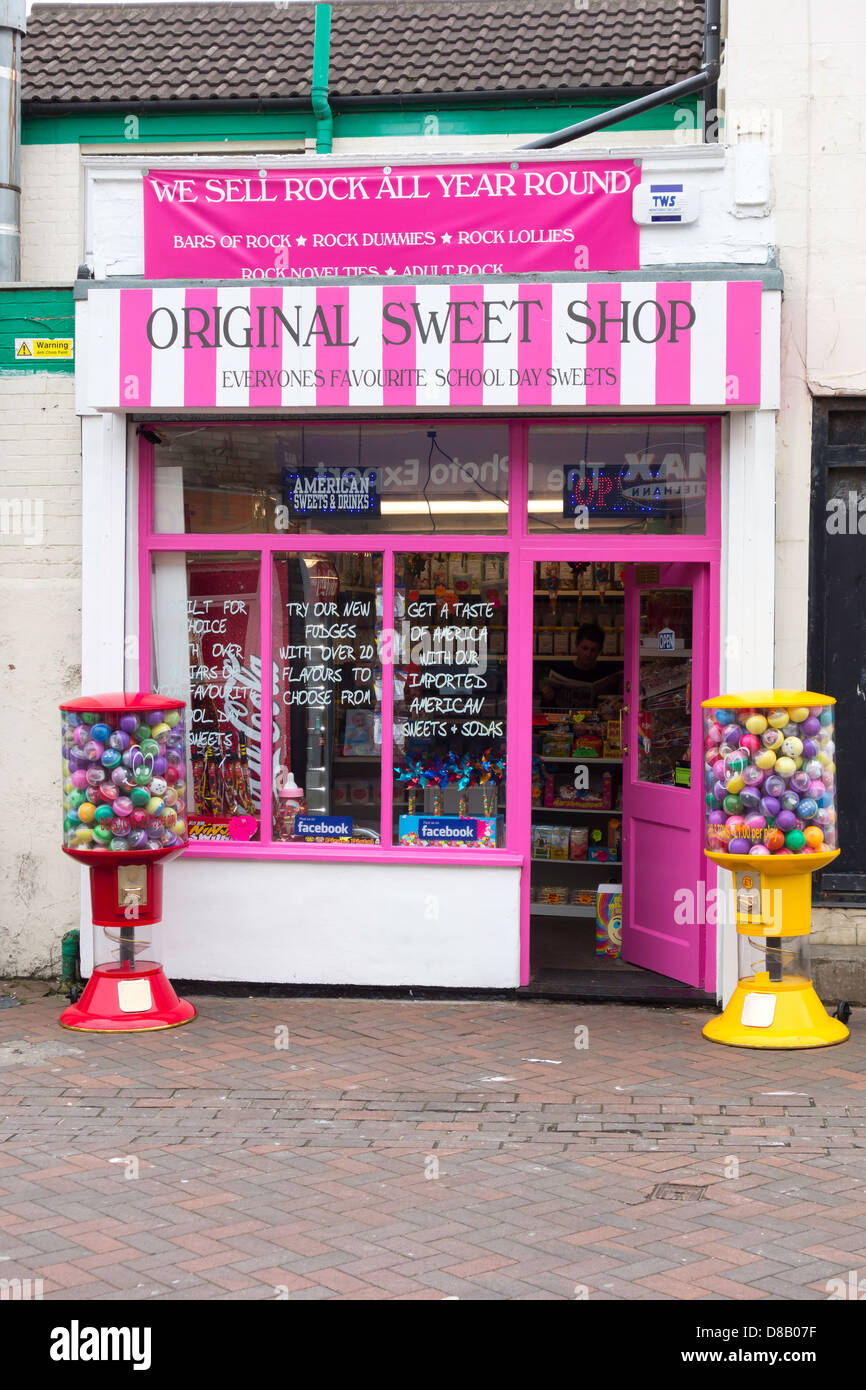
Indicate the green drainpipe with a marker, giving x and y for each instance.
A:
(69, 956)
(319, 92)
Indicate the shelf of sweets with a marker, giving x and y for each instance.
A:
(461, 594)
(590, 761)
(579, 593)
(561, 910)
(575, 811)
(600, 864)
(602, 660)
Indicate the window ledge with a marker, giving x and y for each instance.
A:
(489, 858)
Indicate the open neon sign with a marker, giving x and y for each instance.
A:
(613, 490)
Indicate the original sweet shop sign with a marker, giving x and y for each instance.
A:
(566, 343)
(461, 219)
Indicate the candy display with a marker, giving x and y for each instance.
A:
(462, 832)
(770, 779)
(124, 780)
(464, 770)
(608, 920)
(222, 784)
(561, 793)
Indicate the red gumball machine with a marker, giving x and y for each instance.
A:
(124, 814)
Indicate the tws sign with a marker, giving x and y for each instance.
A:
(569, 343)
(461, 219)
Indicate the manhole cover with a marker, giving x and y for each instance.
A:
(678, 1192)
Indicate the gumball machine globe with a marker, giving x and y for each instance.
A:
(124, 815)
(770, 778)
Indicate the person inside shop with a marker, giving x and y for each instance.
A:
(583, 678)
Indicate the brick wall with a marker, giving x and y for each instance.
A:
(51, 212)
(40, 648)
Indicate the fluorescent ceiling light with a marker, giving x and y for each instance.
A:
(455, 508)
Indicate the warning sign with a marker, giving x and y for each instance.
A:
(42, 348)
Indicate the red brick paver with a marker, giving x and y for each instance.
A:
(417, 1150)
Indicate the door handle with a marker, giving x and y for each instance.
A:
(623, 710)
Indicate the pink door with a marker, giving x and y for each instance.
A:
(666, 665)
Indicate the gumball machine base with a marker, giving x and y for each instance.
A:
(781, 1017)
(120, 998)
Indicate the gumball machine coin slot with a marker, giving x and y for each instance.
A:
(124, 815)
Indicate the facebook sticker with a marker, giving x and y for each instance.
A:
(456, 828)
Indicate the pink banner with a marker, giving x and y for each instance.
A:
(416, 219)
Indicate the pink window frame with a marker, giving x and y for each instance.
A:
(521, 547)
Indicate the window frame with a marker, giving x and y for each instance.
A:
(516, 542)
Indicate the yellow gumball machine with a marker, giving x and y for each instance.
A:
(770, 781)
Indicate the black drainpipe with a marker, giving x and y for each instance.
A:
(703, 81)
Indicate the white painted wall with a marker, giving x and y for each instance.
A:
(731, 228)
(795, 71)
(51, 213)
(795, 81)
(443, 146)
(40, 653)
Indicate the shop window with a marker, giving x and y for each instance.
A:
(322, 479)
(629, 478)
(327, 611)
(451, 621)
(206, 651)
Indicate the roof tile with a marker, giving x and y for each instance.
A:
(264, 51)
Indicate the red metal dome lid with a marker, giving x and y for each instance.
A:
(122, 700)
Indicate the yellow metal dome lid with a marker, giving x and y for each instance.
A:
(768, 699)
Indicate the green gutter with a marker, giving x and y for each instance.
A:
(319, 91)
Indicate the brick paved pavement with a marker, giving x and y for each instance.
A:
(421, 1150)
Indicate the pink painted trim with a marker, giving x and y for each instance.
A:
(258, 540)
(200, 368)
(399, 357)
(466, 356)
(522, 550)
(387, 660)
(145, 522)
(333, 358)
(491, 858)
(607, 353)
(266, 694)
(265, 358)
(711, 666)
(134, 367)
(534, 354)
(522, 771)
(743, 360)
(673, 359)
